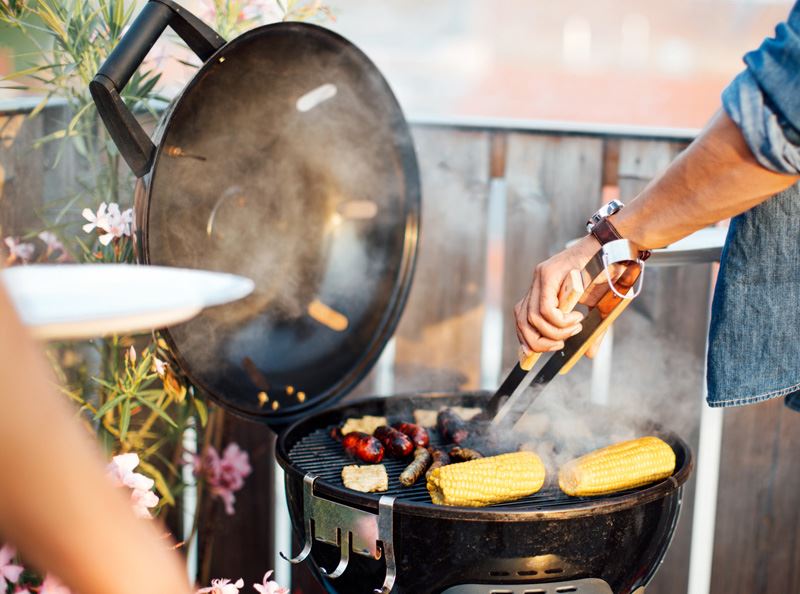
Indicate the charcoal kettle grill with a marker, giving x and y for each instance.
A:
(287, 159)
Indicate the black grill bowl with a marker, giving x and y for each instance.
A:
(541, 539)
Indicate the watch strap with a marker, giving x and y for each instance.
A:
(605, 231)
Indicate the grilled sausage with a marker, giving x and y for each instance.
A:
(422, 459)
(397, 444)
(464, 454)
(416, 433)
(451, 427)
(363, 446)
(439, 457)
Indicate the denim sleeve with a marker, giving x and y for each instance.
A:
(764, 100)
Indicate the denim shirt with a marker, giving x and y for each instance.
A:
(754, 338)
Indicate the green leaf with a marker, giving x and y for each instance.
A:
(161, 484)
(158, 410)
(125, 421)
(109, 405)
(202, 411)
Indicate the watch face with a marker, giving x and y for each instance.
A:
(606, 210)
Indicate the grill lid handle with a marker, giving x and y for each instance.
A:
(128, 135)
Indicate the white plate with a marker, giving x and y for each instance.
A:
(77, 301)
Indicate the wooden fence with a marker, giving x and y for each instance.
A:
(498, 198)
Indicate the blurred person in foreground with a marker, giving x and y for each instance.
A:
(56, 504)
(744, 164)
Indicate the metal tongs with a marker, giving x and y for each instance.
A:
(513, 398)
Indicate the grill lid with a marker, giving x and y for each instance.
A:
(287, 160)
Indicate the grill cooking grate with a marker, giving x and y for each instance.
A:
(320, 454)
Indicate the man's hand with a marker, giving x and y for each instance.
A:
(541, 326)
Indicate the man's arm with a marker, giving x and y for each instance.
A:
(715, 178)
(56, 505)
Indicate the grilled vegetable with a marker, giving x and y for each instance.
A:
(618, 467)
(417, 434)
(397, 444)
(366, 479)
(413, 471)
(451, 427)
(366, 424)
(460, 454)
(439, 457)
(494, 479)
(362, 446)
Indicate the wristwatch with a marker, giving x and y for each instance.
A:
(604, 230)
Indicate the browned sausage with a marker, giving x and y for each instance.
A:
(413, 471)
(464, 454)
(363, 446)
(451, 427)
(416, 433)
(440, 458)
(397, 444)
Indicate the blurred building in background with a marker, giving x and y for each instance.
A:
(641, 62)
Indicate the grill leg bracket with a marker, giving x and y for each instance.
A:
(386, 532)
(350, 529)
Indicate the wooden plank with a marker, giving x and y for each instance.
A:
(242, 543)
(553, 185)
(21, 173)
(438, 339)
(758, 519)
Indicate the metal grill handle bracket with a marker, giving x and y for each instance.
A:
(348, 528)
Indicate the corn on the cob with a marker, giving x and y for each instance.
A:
(487, 480)
(618, 467)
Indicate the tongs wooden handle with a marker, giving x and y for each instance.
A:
(568, 297)
(511, 400)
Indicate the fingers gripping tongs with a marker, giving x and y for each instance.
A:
(513, 398)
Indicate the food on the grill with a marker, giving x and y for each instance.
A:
(467, 412)
(422, 459)
(362, 446)
(327, 316)
(460, 454)
(366, 424)
(427, 417)
(451, 427)
(494, 479)
(439, 457)
(397, 444)
(367, 479)
(618, 467)
(416, 433)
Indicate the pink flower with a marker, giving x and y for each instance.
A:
(269, 587)
(51, 585)
(19, 251)
(159, 366)
(9, 573)
(108, 219)
(142, 497)
(223, 586)
(224, 475)
(21, 590)
(54, 247)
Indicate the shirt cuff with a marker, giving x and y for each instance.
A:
(769, 137)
